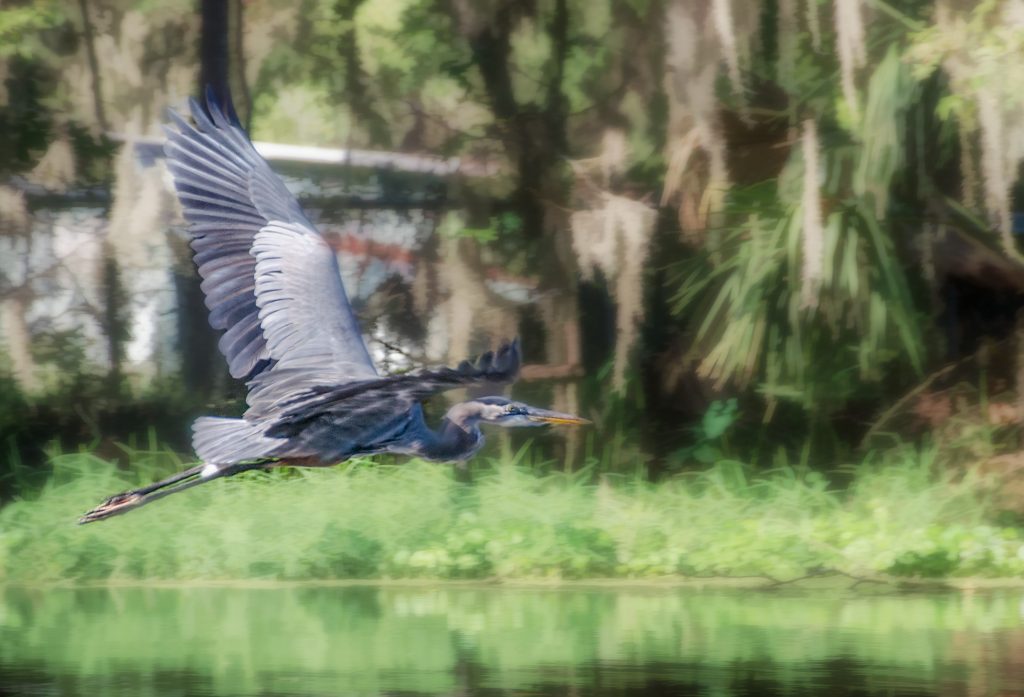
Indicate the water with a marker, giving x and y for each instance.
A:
(472, 641)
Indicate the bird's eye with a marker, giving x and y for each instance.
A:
(510, 408)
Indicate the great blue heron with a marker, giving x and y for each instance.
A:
(272, 283)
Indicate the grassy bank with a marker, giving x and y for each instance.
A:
(896, 517)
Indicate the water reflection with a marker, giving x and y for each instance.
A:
(321, 641)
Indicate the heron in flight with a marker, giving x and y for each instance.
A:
(272, 284)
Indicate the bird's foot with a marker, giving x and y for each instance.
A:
(118, 503)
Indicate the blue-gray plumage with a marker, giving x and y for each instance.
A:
(272, 284)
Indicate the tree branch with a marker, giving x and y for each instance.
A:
(94, 66)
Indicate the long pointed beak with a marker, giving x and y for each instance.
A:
(555, 417)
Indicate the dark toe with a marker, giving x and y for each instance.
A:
(119, 503)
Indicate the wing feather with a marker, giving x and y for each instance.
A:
(230, 197)
(400, 393)
(302, 303)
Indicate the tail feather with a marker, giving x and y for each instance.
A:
(226, 441)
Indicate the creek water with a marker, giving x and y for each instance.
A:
(491, 641)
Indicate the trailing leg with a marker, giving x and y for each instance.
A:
(186, 479)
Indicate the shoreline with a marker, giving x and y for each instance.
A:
(821, 582)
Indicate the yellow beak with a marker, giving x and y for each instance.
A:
(554, 417)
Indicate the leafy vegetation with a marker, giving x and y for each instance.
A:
(897, 518)
(821, 188)
(815, 165)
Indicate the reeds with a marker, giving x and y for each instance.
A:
(897, 516)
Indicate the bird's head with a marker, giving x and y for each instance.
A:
(507, 412)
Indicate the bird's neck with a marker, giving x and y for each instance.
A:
(455, 439)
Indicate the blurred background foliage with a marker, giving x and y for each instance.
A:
(766, 231)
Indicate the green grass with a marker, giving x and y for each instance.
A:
(896, 517)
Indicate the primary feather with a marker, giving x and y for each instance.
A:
(270, 280)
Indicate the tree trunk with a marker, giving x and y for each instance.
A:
(94, 66)
(18, 342)
(114, 319)
(538, 141)
(214, 57)
(356, 93)
(201, 366)
(1019, 349)
(242, 93)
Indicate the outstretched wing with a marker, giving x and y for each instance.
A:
(328, 419)
(270, 279)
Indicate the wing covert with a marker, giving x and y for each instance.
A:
(399, 393)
